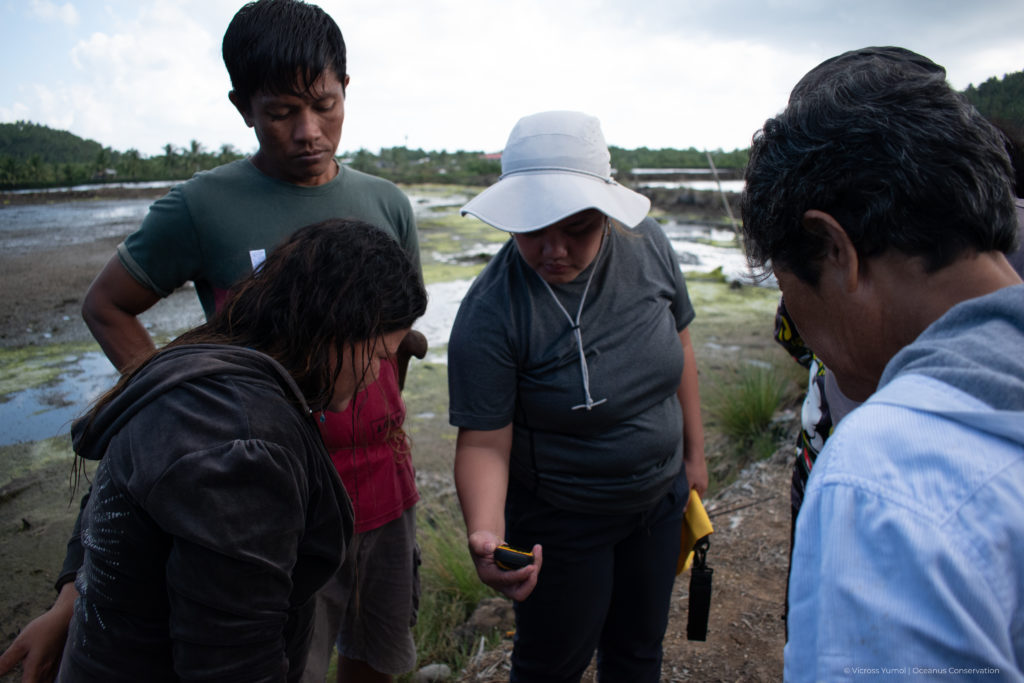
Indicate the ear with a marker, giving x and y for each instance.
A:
(344, 84)
(841, 259)
(242, 107)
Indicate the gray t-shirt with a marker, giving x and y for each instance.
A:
(513, 359)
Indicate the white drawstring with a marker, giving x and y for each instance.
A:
(575, 326)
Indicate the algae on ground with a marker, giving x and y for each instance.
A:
(426, 400)
(35, 366)
(713, 299)
(453, 247)
(447, 232)
(21, 459)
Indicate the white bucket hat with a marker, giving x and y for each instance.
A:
(555, 164)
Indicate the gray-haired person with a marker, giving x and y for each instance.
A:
(882, 201)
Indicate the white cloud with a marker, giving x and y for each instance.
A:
(457, 74)
(16, 112)
(466, 76)
(149, 82)
(49, 11)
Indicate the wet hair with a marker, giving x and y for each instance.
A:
(330, 286)
(281, 47)
(879, 140)
(325, 291)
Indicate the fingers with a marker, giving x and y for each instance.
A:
(515, 584)
(39, 646)
(697, 475)
(12, 656)
(38, 662)
(415, 344)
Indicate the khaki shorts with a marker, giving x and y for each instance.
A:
(370, 605)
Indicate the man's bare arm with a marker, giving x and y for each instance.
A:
(110, 310)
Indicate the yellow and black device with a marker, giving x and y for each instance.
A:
(510, 559)
(693, 556)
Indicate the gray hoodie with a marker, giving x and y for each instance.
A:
(214, 517)
(977, 347)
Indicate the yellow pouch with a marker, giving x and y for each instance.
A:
(696, 525)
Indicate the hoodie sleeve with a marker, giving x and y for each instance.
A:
(75, 554)
(236, 515)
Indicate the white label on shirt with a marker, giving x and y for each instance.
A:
(257, 257)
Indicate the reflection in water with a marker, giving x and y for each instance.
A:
(48, 410)
(69, 223)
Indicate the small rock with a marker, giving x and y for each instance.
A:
(432, 673)
(492, 614)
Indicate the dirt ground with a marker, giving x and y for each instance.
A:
(749, 549)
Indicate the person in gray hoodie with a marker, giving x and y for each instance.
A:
(216, 513)
(883, 204)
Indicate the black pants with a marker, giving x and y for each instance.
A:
(605, 585)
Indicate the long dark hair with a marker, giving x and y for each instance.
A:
(331, 286)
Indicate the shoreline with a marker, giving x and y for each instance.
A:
(59, 195)
(706, 203)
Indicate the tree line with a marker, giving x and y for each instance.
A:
(402, 165)
(33, 155)
(1002, 101)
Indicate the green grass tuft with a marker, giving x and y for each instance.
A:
(741, 404)
(451, 589)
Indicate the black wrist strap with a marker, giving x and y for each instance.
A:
(700, 593)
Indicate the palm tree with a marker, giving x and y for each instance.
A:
(170, 159)
(130, 162)
(227, 153)
(193, 155)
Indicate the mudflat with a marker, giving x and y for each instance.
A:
(43, 285)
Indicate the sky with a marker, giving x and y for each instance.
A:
(458, 74)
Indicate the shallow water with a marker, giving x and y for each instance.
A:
(703, 248)
(48, 409)
(47, 405)
(698, 185)
(24, 227)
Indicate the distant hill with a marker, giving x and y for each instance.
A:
(24, 139)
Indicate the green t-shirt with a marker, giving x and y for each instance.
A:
(211, 228)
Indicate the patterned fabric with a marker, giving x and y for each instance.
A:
(815, 419)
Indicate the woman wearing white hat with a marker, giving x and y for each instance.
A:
(573, 384)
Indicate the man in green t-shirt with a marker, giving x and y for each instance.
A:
(287, 62)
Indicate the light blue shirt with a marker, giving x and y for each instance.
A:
(909, 554)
